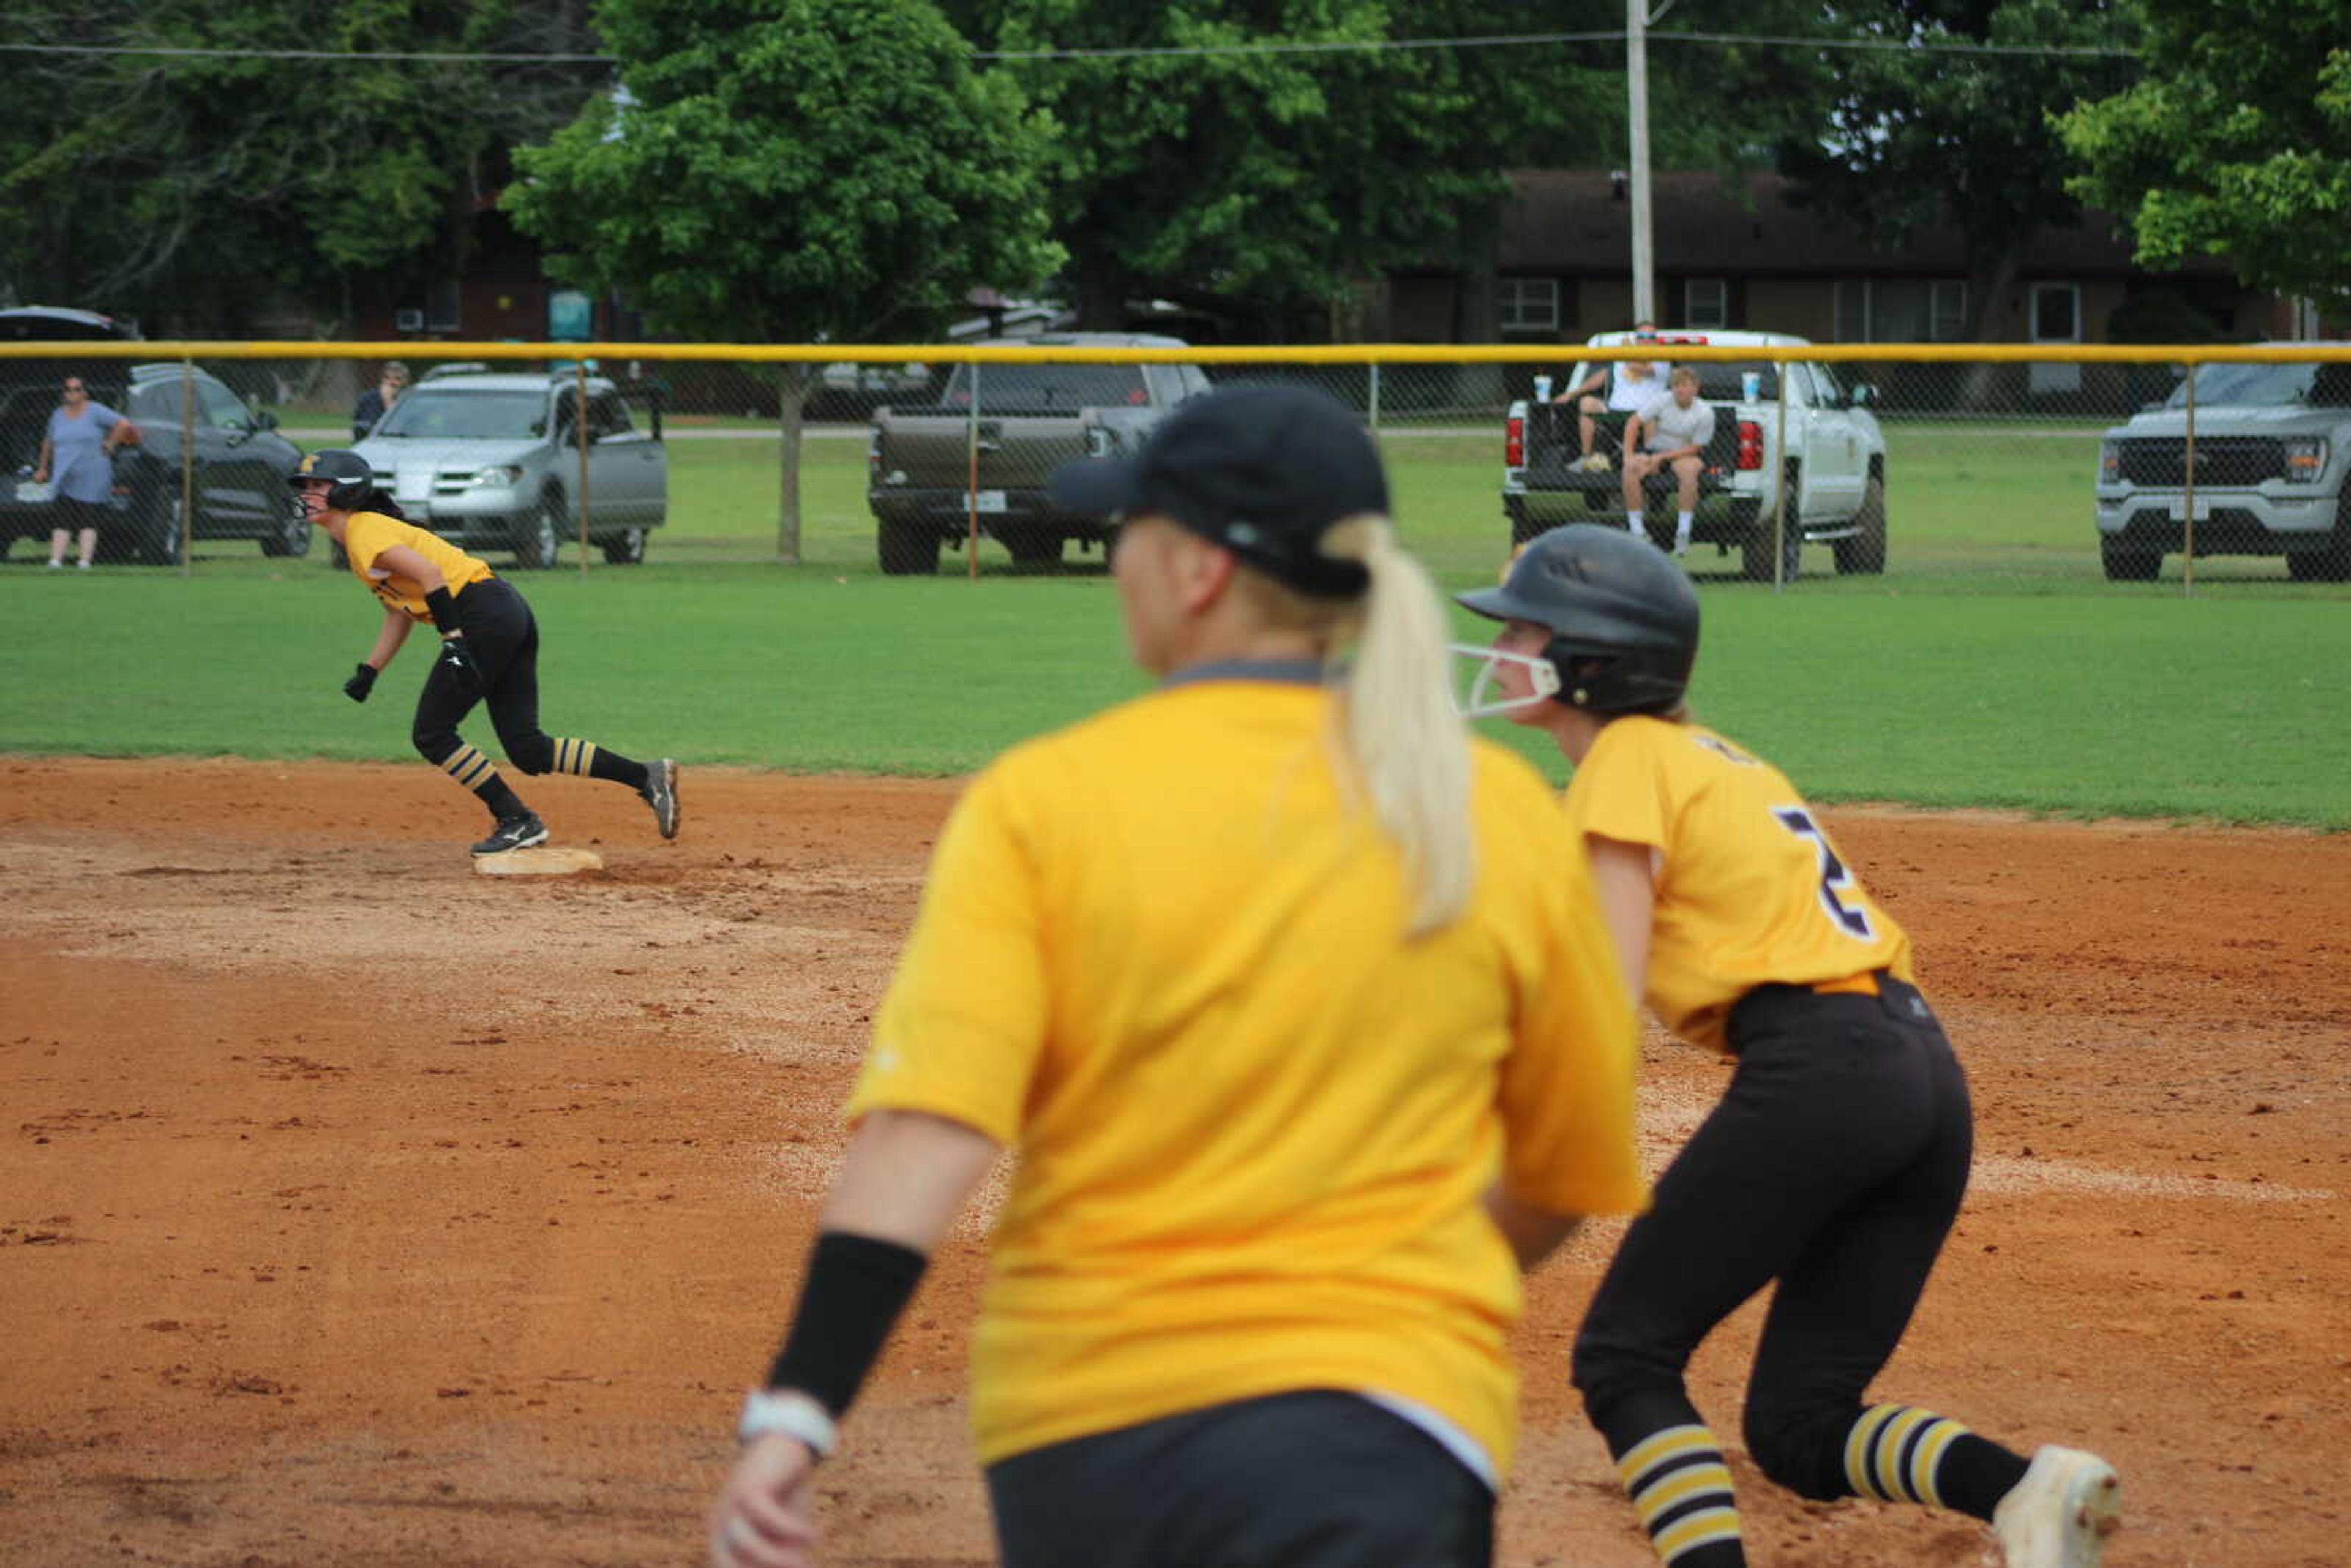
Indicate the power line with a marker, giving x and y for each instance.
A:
(1193, 51)
(190, 52)
(2038, 51)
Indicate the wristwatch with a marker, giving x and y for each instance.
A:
(790, 1413)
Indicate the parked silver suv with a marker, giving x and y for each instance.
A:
(2272, 473)
(491, 460)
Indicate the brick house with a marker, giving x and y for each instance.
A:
(1737, 254)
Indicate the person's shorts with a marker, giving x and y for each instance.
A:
(73, 516)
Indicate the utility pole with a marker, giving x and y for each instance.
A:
(1637, 86)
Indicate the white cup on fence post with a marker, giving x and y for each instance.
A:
(1750, 385)
(1543, 389)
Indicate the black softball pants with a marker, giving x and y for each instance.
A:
(1834, 1164)
(503, 637)
(1312, 1479)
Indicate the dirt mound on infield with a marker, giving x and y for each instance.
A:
(357, 1209)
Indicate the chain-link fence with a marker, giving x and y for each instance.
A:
(1804, 467)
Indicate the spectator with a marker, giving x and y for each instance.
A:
(78, 448)
(377, 399)
(1671, 432)
(1632, 385)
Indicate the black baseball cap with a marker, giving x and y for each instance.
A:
(1260, 470)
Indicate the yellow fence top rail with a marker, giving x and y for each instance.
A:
(1199, 354)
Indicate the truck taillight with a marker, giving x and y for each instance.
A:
(1514, 442)
(1750, 445)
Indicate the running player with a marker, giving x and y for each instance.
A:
(1837, 1161)
(1267, 977)
(489, 652)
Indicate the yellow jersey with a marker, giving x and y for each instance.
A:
(1161, 953)
(366, 535)
(1750, 889)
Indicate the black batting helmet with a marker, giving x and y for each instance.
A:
(1623, 617)
(350, 475)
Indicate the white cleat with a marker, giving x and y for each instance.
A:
(2060, 1514)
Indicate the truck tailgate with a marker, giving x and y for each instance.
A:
(1016, 450)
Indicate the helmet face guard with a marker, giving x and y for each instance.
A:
(1542, 674)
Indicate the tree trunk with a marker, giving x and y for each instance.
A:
(1102, 291)
(1477, 319)
(1991, 273)
(792, 381)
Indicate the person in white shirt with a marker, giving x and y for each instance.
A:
(1631, 386)
(1670, 433)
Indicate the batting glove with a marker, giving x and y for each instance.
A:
(362, 682)
(458, 659)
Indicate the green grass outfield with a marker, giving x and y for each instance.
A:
(1991, 666)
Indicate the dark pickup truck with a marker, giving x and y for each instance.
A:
(979, 458)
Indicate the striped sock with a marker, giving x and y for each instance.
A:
(1898, 1453)
(585, 759)
(575, 756)
(477, 772)
(1681, 1490)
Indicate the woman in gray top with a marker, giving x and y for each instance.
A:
(79, 449)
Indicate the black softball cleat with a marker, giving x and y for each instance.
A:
(513, 833)
(661, 793)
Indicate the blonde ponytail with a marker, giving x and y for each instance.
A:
(1408, 744)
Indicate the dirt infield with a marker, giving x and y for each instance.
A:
(357, 1209)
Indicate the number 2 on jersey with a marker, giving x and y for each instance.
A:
(1834, 879)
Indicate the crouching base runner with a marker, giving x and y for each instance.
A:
(1836, 1160)
(489, 654)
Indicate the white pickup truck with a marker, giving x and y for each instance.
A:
(2272, 473)
(1833, 468)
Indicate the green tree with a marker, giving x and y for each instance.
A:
(189, 191)
(1911, 138)
(2236, 142)
(792, 170)
(1288, 168)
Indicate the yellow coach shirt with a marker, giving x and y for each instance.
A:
(1160, 955)
(366, 535)
(1750, 890)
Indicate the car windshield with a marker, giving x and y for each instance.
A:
(1050, 386)
(2253, 386)
(439, 414)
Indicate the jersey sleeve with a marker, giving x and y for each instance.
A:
(363, 541)
(1618, 792)
(961, 1028)
(1566, 1088)
(1706, 426)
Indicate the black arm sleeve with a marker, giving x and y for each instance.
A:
(856, 1287)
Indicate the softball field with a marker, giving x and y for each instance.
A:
(357, 1209)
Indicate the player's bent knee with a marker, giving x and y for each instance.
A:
(1803, 1452)
(1605, 1371)
(531, 754)
(436, 745)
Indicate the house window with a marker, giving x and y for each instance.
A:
(441, 301)
(1706, 302)
(1529, 304)
(1901, 309)
(2056, 313)
(1947, 308)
